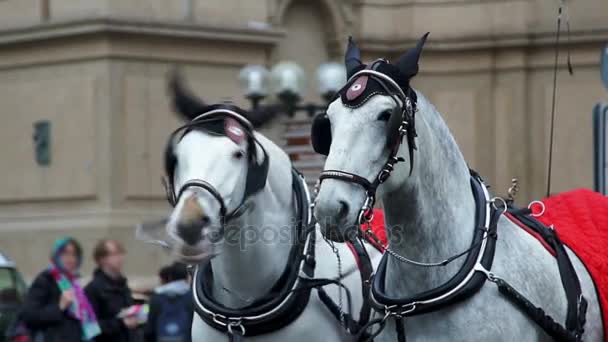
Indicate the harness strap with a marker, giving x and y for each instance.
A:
(365, 336)
(537, 314)
(235, 336)
(400, 329)
(347, 177)
(366, 271)
(577, 304)
(349, 322)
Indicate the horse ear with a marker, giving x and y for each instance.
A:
(184, 103)
(352, 58)
(408, 62)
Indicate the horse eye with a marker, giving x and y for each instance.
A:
(385, 115)
(238, 154)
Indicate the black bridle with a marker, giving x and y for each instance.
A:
(256, 173)
(405, 129)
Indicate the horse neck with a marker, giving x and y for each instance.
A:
(430, 215)
(256, 248)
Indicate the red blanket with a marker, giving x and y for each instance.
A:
(580, 218)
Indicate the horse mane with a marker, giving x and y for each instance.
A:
(439, 128)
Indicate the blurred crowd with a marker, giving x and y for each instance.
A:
(57, 308)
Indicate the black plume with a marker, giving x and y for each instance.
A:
(408, 62)
(352, 58)
(183, 101)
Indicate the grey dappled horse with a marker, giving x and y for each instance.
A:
(253, 251)
(430, 215)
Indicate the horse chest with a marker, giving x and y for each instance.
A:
(314, 324)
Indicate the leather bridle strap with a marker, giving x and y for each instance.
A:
(366, 212)
(348, 177)
(225, 216)
(406, 129)
(199, 183)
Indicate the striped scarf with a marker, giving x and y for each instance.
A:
(81, 307)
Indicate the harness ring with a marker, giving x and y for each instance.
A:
(542, 205)
(238, 324)
(502, 201)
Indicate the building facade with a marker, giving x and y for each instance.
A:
(96, 70)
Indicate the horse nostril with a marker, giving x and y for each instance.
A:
(343, 209)
(191, 234)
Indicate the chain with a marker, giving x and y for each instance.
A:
(400, 257)
(339, 261)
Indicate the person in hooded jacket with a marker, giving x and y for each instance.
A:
(56, 308)
(171, 308)
(110, 295)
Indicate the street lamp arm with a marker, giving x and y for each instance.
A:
(311, 108)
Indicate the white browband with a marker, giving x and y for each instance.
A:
(232, 113)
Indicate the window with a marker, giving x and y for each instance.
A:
(12, 287)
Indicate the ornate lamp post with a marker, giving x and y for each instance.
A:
(287, 81)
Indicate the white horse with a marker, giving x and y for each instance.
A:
(248, 254)
(431, 213)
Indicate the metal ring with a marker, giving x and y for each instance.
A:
(500, 199)
(542, 205)
(236, 324)
(363, 217)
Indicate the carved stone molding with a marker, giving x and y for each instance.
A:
(339, 13)
(66, 28)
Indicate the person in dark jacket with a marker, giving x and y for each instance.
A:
(171, 307)
(110, 295)
(56, 306)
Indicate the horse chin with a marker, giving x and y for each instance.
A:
(194, 254)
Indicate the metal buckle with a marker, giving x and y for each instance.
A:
(491, 276)
(229, 323)
(366, 214)
(217, 318)
(403, 310)
(385, 173)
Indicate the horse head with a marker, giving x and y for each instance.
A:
(213, 164)
(361, 133)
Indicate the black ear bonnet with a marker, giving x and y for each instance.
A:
(213, 121)
(378, 78)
